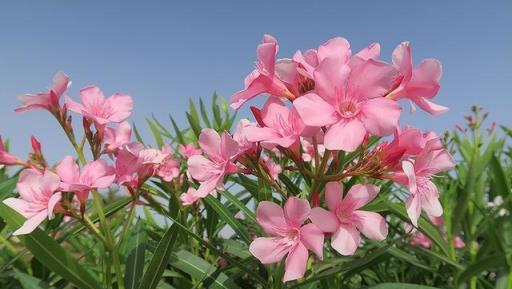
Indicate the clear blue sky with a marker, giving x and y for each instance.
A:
(163, 52)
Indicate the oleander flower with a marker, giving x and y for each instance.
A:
(46, 100)
(39, 196)
(282, 126)
(209, 170)
(348, 100)
(264, 78)
(6, 158)
(345, 219)
(189, 150)
(420, 84)
(114, 138)
(288, 236)
(417, 175)
(94, 106)
(94, 175)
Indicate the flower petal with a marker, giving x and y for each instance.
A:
(346, 240)
(270, 216)
(333, 194)
(314, 111)
(313, 238)
(380, 116)
(372, 225)
(360, 195)
(324, 220)
(31, 223)
(296, 211)
(267, 250)
(295, 264)
(345, 135)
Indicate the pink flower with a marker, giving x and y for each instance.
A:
(349, 100)
(209, 171)
(115, 138)
(273, 169)
(95, 175)
(94, 106)
(416, 175)
(241, 136)
(420, 84)
(169, 168)
(283, 126)
(264, 78)
(38, 198)
(5, 157)
(190, 197)
(46, 100)
(189, 150)
(288, 237)
(344, 218)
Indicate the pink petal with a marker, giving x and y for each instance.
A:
(372, 79)
(380, 116)
(408, 168)
(430, 202)
(295, 264)
(345, 135)
(372, 225)
(68, 170)
(91, 97)
(122, 106)
(402, 60)
(296, 211)
(73, 106)
(330, 76)
(209, 141)
(95, 170)
(52, 202)
(370, 52)
(267, 55)
(19, 205)
(31, 224)
(313, 238)
(324, 220)
(314, 111)
(104, 182)
(333, 194)
(267, 250)
(336, 47)
(228, 147)
(270, 216)
(413, 206)
(360, 195)
(201, 168)
(430, 107)
(255, 87)
(346, 240)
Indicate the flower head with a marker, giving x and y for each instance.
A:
(345, 219)
(94, 175)
(348, 99)
(46, 100)
(94, 106)
(209, 170)
(283, 126)
(420, 84)
(288, 236)
(38, 197)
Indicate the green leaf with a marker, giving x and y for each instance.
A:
(194, 124)
(30, 282)
(400, 286)
(160, 259)
(204, 114)
(50, 253)
(135, 261)
(484, 264)
(241, 206)
(137, 134)
(7, 187)
(200, 269)
(228, 217)
(216, 112)
(156, 133)
(177, 130)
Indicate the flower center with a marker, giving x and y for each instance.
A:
(348, 108)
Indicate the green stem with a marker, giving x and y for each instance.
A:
(109, 238)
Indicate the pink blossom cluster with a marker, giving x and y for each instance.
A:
(323, 106)
(117, 159)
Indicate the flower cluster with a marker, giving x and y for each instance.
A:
(117, 159)
(326, 111)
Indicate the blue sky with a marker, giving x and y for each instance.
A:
(163, 52)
